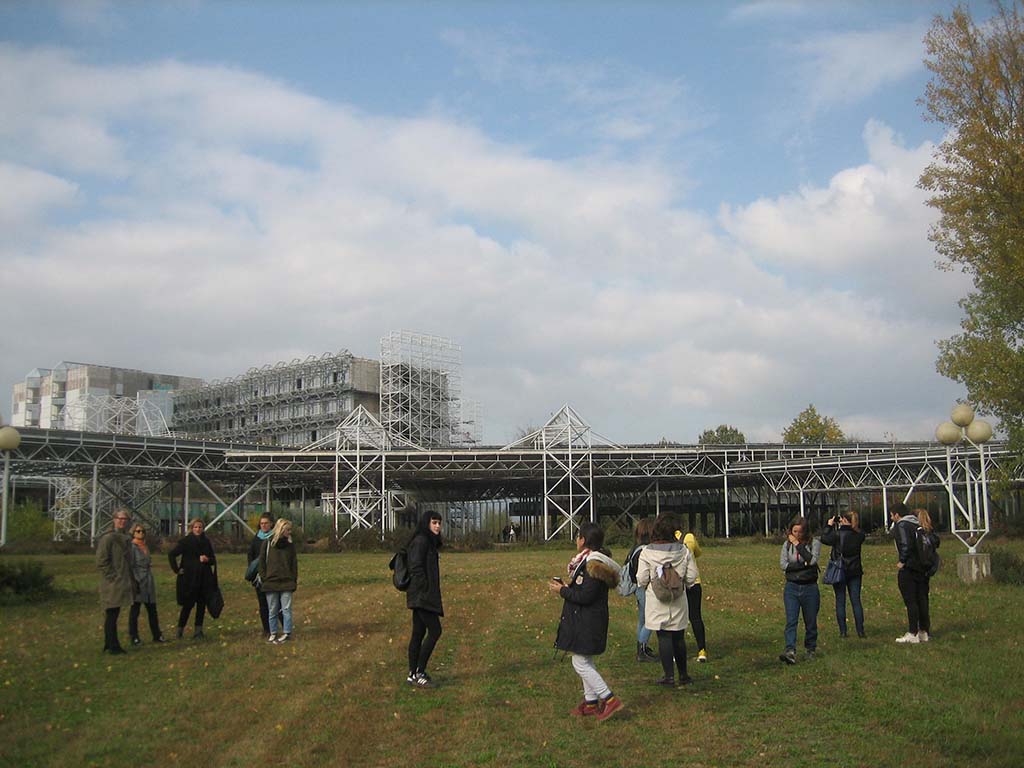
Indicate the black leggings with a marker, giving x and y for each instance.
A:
(186, 609)
(693, 598)
(423, 623)
(133, 620)
(672, 647)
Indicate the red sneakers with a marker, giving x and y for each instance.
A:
(584, 708)
(609, 707)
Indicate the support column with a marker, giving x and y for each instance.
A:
(95, 504)
(185, 505)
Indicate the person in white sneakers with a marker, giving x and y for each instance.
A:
(279, 578)
(912, 576)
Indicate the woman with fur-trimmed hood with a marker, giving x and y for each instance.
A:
(583, 627)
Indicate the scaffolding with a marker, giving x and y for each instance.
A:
(360, 492)
(291, 404)
(420, 389)
(116, 415)
(79, 503)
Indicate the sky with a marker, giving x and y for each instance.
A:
(669, 215)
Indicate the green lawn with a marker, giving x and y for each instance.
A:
(337, 697)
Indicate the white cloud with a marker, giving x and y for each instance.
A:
(846, 67)
(243, 222)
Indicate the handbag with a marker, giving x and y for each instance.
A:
(835, 571)
(253, 570)
(214, 597)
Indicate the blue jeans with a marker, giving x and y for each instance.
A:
(643, 634)
(280, 602)
(805, 598)
(853, 586)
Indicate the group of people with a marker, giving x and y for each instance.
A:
(799, 560)
(126, 576)
(662, 565)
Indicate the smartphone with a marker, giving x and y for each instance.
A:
(558, 579)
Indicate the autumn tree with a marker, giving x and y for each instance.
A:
(723, 434)
(977, 185)
(811, 427)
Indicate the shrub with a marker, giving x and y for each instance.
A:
(25, 580)
(1007, 567)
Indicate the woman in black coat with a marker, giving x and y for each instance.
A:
(196, 577)
(843, 534)
(583, 627)
(423, 597)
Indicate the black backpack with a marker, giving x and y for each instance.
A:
(927, 556)
(400, 575)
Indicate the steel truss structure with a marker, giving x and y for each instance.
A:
(421, 389)
(78, 502)
(360, 486)
(292, 403)
(117, 415)
(562, 463)
(566, 442)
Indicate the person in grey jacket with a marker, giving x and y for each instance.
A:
(115, 578)
(279, 577)
(799, 561)
(145, 588)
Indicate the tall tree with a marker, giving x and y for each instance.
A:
(723, 434)
(977, 181)
(811, 427)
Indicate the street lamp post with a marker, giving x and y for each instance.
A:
(972, 566)
(10, 439)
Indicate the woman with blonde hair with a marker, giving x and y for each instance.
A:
(279, 577)
(843, 534)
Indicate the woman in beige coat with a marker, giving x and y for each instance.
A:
(668, 617)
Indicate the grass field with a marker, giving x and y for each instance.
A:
(337, 697)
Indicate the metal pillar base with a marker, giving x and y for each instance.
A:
(974, 567)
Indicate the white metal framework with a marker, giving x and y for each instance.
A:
(566, 442)
(360, 443)
(420, 388)
(292, 403)
(117, 415)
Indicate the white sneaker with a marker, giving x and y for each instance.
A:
(283, 638)
(908, 638)
(272, 639)
(922, 637)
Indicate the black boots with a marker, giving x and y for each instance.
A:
(644, 653)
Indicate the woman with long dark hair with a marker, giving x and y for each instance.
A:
(423, 597)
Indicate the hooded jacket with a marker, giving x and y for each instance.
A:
(673, 616)
(583, 626)
(279, 566)
(905, 535)
(424, 569)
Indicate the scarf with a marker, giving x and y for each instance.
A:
(575, 562)
(263, 535)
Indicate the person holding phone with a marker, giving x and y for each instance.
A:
(843, 534)
(583, 626)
